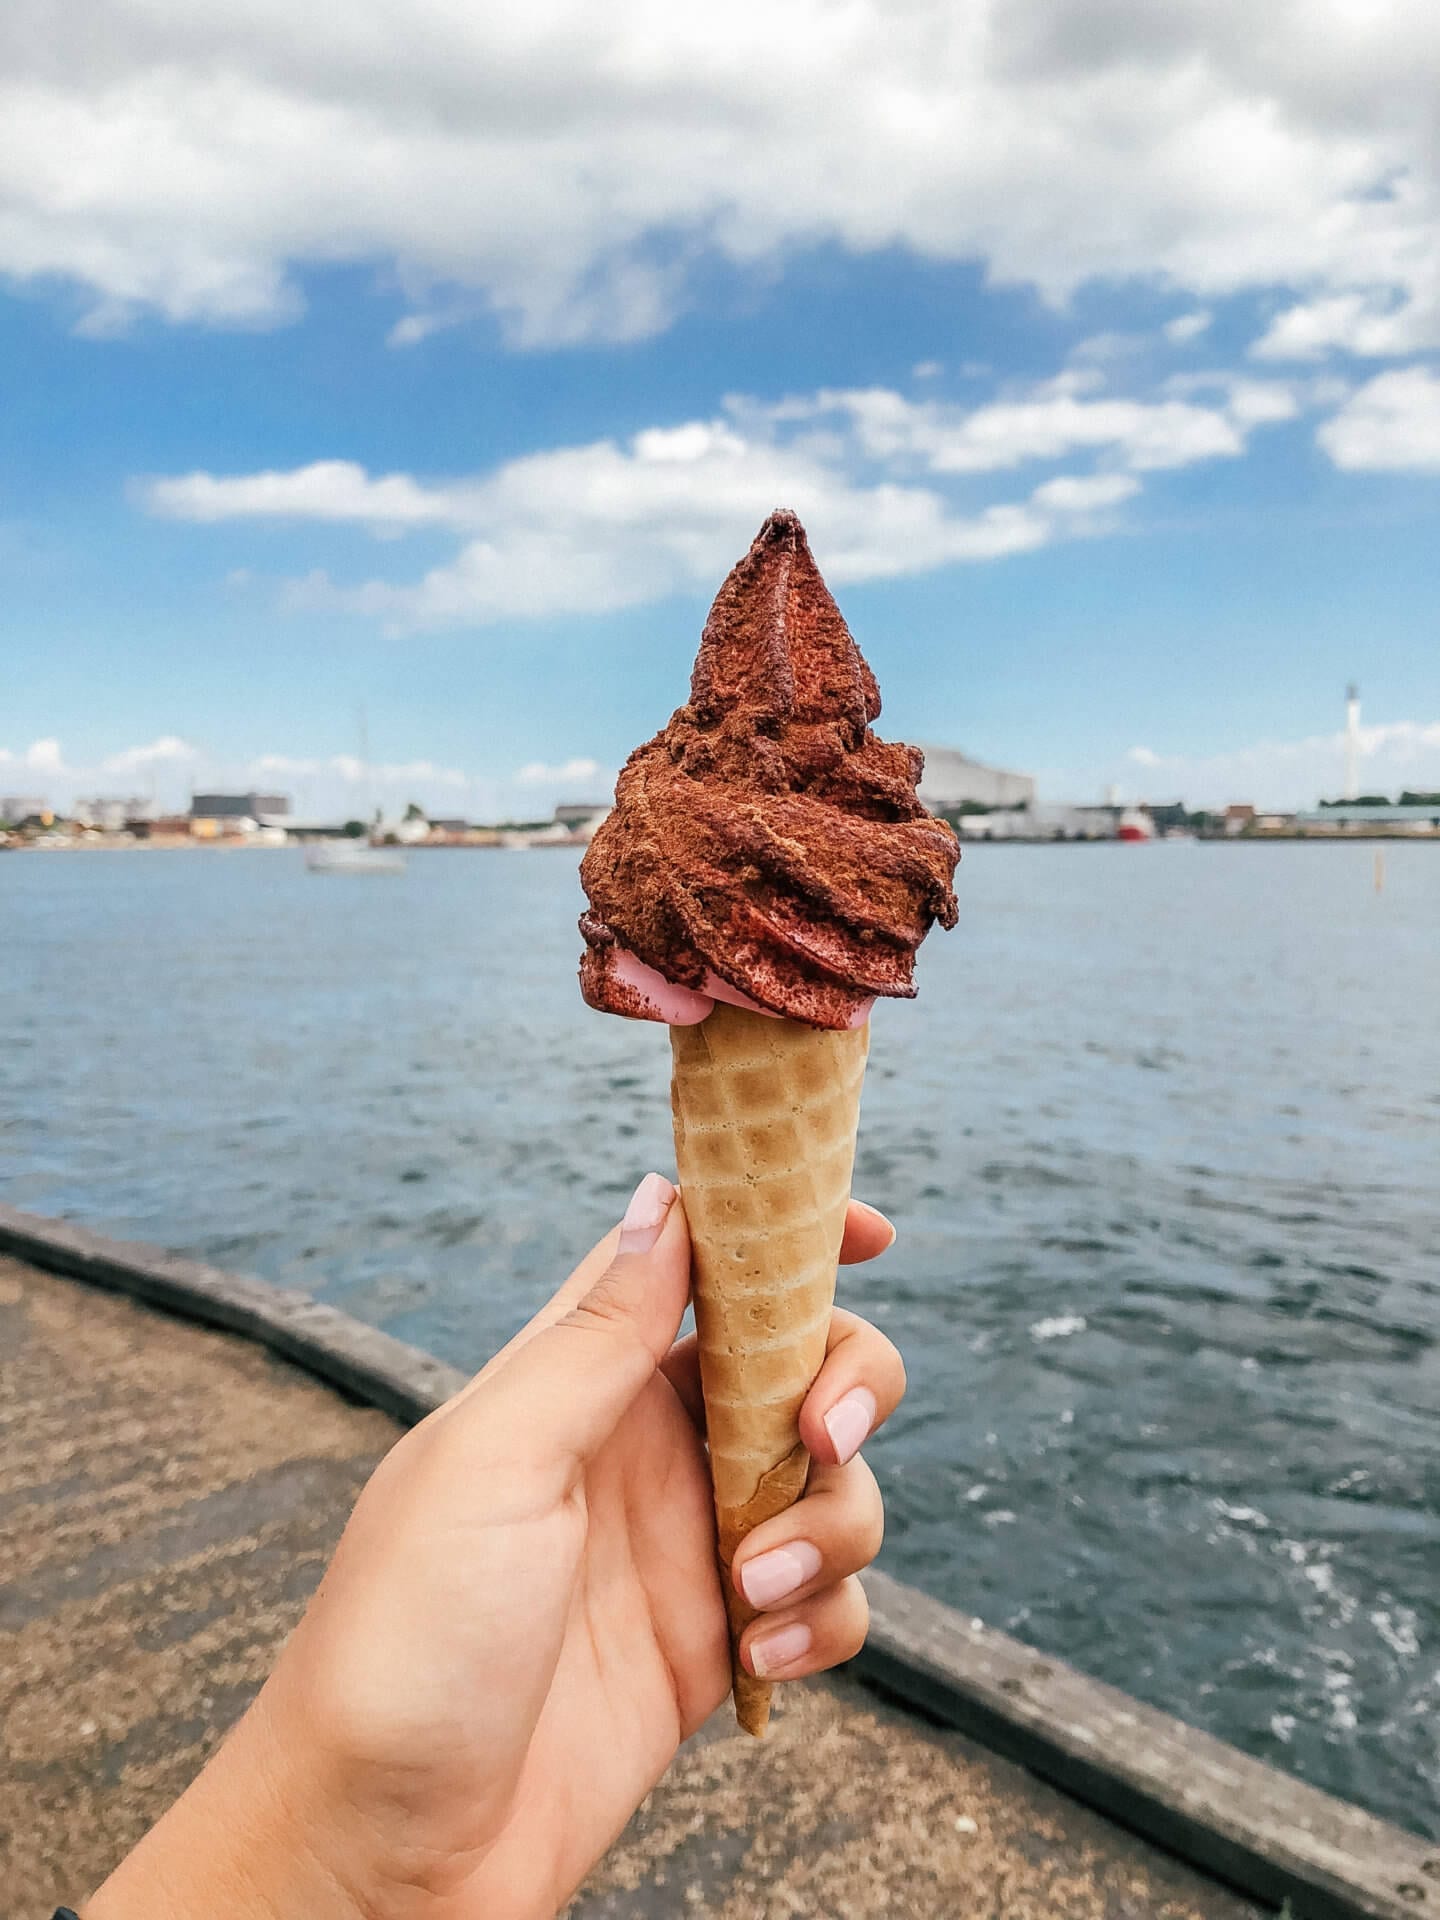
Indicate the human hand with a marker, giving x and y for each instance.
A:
(524, 1619)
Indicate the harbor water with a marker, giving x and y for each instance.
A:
(1161, 1136)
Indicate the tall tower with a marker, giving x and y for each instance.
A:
(1352, 741)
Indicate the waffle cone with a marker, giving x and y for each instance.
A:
(765, 1117)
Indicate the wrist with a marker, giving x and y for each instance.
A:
(254, 1837)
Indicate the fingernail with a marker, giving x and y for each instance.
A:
(770, 1576)
(883, 1218)
(645, 1215)
(780, 1649)
(849, 1421)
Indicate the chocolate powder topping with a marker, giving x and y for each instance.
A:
(767, 832)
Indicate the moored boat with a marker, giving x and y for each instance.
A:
(352, 856)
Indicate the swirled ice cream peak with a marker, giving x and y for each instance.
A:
(767, 846)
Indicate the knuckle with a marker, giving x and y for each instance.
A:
(606, 1312)
(889, 1365)
(605, 1319)
(856, 1623)
(872, 1531)
(603, 1305)
(883, 1364)
(410, 1456)
(858, 1517)
(902, 1378)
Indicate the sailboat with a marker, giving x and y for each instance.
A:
(352, 856)
(355, 855)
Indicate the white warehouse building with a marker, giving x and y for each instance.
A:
(952, 781)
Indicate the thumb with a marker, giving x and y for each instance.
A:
(570, 1386)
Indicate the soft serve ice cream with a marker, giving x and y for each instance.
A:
(766, 847)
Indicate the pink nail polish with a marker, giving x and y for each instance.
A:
(849, 1421)
(781, 1649)
(884, 1219)
(645, 1215)
(770, 1576)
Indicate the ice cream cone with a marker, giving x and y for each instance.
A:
(765, 1116)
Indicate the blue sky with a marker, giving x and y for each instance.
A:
(440, 369)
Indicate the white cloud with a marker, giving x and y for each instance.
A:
(162, 760)
(414, 328)
(1392, 423)
(325, 490)
(1248, 402)
(886, 485)
(168, 750)
(164, 763)
(1371, 325)
(1186, 327)
(1111, 346)
(623, 547)
(41, 756)
(577, 772)
(1167, 434)
(1049, 422)
(1085, 493)
(589, 528)
(1047, 425)
(1289, 773)
(1260, 403)
(567, 164)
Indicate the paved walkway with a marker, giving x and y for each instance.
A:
(168, 1499)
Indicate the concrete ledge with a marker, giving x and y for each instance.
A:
(1234, 1817)
(374, 1367)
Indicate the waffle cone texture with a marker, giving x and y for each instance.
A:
(765, 1118)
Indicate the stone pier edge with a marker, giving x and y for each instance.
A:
(1237, 1818)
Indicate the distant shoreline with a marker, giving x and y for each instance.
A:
(1367, 836)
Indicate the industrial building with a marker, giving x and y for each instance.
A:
(582, 816)
(1362, 818)
(113, 813)
(237, 806)
(953, 783)
(18, 807)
